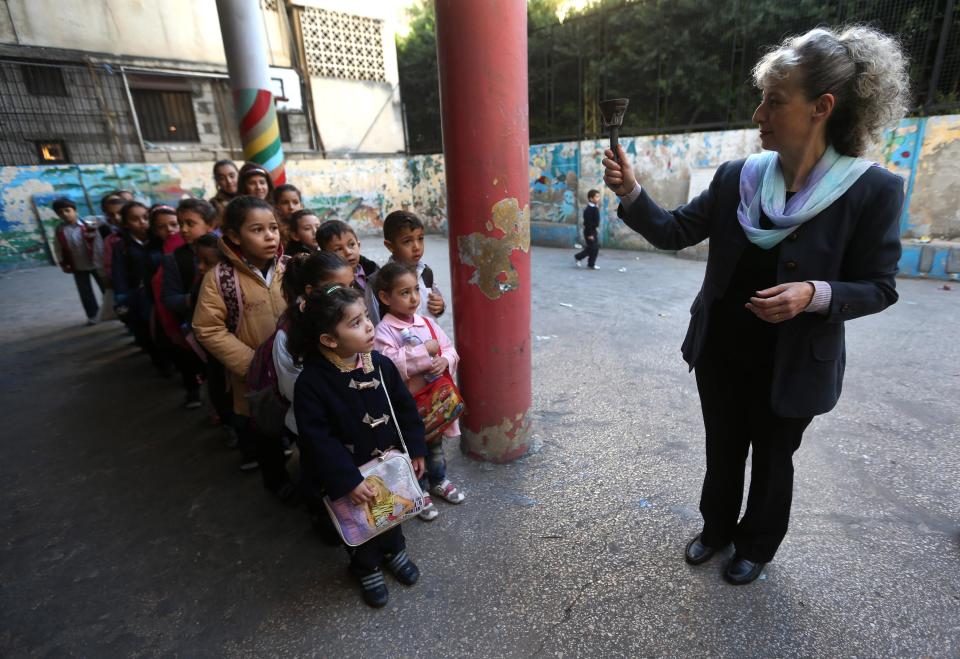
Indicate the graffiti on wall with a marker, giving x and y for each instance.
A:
(27, 222)
(360, 192)
(554, 182)
(925, 151)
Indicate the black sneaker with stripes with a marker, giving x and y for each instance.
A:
(374, 588)
(401, 567)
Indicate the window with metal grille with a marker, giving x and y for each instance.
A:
(343, 46)
(43, 80)
(165, 116)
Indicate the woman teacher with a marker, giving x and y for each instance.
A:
(803, 237)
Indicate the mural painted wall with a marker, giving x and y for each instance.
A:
(925, 151)
(359, 191)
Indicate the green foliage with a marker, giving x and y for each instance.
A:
(684, 64)
(419, 80)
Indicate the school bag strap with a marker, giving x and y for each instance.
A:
(228, 284)
(434, 335)
(396, 423)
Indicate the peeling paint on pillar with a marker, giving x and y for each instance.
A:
(490, 254)
(501, 443)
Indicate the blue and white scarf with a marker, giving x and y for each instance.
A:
(762, 188)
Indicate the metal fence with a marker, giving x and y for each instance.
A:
(685, 64)
(83, 108)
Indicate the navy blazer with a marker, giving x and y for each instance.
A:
(854, 245)
(334, 414)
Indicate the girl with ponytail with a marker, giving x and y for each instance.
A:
(344, 419)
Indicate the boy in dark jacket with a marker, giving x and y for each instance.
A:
(591, 233)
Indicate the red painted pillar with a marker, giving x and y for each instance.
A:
(482, 55)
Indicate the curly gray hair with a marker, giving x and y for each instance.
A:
(864, 69)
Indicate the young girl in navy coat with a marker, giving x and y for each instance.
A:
(340, 403)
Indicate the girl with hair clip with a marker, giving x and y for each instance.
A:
(304, 274)
(255, 181)
(343, 415)
(422, 352)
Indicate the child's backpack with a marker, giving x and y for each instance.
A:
(268, 407)
(229, 286)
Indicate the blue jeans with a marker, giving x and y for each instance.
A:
(436, 471)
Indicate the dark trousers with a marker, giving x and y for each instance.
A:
(589, 252)
(190, 367)
(368, 556)
(267, 450)
(220, 398)
(735, 400)
(85, 289)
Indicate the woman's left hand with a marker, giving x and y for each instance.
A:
(782, 302)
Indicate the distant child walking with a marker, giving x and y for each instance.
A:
(422, 352)
(77, 244)
(591, 231)
(342, 412)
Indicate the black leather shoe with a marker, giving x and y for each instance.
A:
(741, 571)
(698, 553)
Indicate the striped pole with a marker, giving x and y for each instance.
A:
(245, 45)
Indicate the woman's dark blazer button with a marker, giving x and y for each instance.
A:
(790, 265)
(794, 235)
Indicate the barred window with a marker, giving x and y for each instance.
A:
(165, 116)
(343, 46)
(43, 80)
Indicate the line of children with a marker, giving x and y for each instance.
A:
(206, 304)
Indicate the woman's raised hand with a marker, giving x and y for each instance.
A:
(619, 177)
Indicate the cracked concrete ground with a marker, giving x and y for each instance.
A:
(127, 529)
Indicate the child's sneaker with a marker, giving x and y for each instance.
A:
(448, 492)
(249, 464)
(429, 512)
(193, 400)
(402, 568)
(374, 587)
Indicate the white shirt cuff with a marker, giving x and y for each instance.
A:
(822, 295)
(630, 197)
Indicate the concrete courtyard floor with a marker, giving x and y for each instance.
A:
(126, 528)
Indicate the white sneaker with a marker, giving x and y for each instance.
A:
(429, 513)
(594, 267)
(577, 261)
